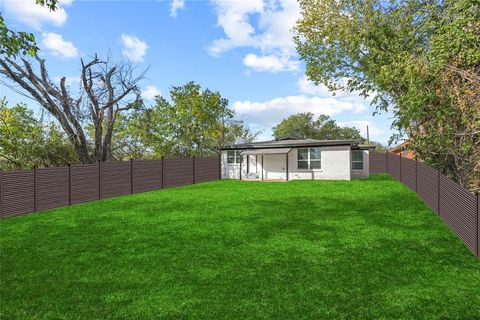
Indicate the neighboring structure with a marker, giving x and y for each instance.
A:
(290, 158)
(402, 150)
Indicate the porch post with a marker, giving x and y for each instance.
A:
(241, 166)
(262, 167)
(286, 160)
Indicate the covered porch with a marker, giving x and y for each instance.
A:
(265, 164)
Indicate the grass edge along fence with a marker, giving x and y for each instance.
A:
(455, 205)
(41, 189)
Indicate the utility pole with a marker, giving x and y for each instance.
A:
(368, 136)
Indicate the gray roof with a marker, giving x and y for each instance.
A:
(290, 143)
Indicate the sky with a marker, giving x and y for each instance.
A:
(241, 48)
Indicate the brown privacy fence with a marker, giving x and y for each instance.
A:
(47, 188)
(456, 206)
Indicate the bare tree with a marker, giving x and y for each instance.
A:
(106, 89)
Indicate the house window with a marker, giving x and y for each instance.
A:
(357, 160)
(233, 157)
(309, 158)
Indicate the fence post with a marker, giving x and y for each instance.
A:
(131, 175)
(69, 184)
(438, 192)
(35, 195)
(193, 169)
(1, 193)
(99, 179)
(163, 172)
(416, 174)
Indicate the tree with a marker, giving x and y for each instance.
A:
(303, 125)
(107, 89)
(421, 61)
(13, 43)
(26, 141)
(191, 124)
(239, 129)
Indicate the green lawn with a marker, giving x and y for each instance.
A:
(232, 249)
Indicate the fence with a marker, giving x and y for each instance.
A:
(456, 206)
(48, 188)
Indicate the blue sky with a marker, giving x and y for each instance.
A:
(242, 48)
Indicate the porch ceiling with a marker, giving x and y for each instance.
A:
(267, 151)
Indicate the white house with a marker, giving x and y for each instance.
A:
(290, 158)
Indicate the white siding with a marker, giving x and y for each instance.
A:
(366, 167)
(229, 171)
(335, 165)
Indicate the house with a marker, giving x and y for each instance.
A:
(402, 150)
(290, 158)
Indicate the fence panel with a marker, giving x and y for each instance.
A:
(207, 169)
(427, 185)
(378, 162)
(147, 175)
(178, 172)
(84, 183)
(52, 188)
(458, 209)
(115, 179)
(18, 193)
(408, 172)
(393, 165)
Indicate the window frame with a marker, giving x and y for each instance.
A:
(309, 159)
(236, 157)
(358, 161)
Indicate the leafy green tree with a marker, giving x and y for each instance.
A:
(191, 124)
(239, 129)
(26, 141)
(303, 125)
(419, 59)
(13, 43)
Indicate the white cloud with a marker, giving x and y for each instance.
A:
(150, 92)
(34, 15)
(134, 48)
(269, 113)
(270, 63)
(57, 46)
(175, 6)
(306, 86)
(271, 34)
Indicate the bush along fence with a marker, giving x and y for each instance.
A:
(456, 206)
(47, 188)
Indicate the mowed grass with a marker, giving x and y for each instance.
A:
(362, 249)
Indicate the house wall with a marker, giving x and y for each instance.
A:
(336, 165)
(229, 171)
(366, 167)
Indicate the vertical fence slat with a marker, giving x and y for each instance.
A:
(478, 226)
(438, 192)
(35, 191)
(400, 167)
(1, 193)
(193, 170)
(69, 184)
(99, 179)
(416, 175)
(163, 172)
(131, 175)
